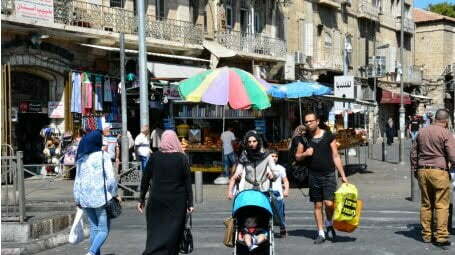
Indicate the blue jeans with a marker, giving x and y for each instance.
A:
(414, 135)
(279, 210)
(144, 161)
(228, 162)
(99, 228)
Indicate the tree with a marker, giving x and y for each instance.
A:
(446, 9)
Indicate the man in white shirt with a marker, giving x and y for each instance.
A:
(228, 139)
(156, 138)
(111, 146)
(142, 143)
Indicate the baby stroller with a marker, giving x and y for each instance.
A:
(253, 203)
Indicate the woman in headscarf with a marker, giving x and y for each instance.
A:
(93, 169)
(254, 168)
(168, 175)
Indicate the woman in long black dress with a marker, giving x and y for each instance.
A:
(170, 199)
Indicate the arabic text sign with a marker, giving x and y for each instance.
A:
(35, 10)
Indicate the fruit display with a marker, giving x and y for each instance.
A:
(349, 137)
(210, 144)
(282, 145)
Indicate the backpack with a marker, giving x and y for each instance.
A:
(298, 170)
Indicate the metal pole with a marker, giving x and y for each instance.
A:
(402, 111)
(143, 81)
(300, 110)
(198, 187)
(125, 142)
(20, 186)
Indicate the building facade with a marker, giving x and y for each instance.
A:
(342, 37)
(435, 52)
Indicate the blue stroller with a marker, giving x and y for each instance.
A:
(253, 203)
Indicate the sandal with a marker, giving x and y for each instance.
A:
(283, 233)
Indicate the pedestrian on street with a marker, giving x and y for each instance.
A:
(171, 196)
(142, 143)
(254, 168)
(90, 194)
(298, 142)
(390, 131)
(156, 137)
(414, 127)
(111, 146)
(431, 154)
(321, 156)
(280, 182)
(228, 139)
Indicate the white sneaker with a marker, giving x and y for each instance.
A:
(221, 180)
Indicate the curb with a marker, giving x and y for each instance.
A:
(43, 244)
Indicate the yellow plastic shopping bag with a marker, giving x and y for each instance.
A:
(350, 226)
(345, 202)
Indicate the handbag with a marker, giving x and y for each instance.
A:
(77, 230)
(229, 232)
(69, 158)
(186, 245)
(113, 207)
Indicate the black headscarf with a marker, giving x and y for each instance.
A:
(253, 155)
(91, 142)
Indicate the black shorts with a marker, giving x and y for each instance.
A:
(322, 187)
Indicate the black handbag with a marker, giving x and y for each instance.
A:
(113, 207)
(186, 245)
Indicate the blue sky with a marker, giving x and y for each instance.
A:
(424, 3)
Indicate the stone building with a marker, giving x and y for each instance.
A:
(435, 52)
(43, 41)
(336, 37)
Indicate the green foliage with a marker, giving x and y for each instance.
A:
(446, 9)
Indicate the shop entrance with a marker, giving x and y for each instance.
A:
(29, 99)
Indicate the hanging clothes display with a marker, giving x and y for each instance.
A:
(76, 93)
(88, 93)
(98, 93)
(107, 90)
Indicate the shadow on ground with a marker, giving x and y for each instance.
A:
(311, 234)
(413, 232)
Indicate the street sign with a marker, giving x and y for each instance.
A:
(344, 87)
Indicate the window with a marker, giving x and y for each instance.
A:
(229, 14)
(194, 11)
(117, 3)
(245, 17)
(259, 16)
(159, 9)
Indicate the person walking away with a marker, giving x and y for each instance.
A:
(111, 146)
(390, 131)
(414, 126)
(430, 155)
(321, 156)
(228, 139)
(90, 194)
(298, 139)
(142, 143)
(170, 199)
(278, 191)
(156, 137)
(254, 169)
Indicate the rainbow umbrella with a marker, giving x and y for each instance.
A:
(222, 86)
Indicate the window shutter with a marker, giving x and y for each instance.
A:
(308, 39)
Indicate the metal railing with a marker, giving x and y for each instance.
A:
(130, 180)
(412, 74)
(408, 25)
(368, 10)
(252, 43)
(12, 186)
(113, 19)
(328, 58)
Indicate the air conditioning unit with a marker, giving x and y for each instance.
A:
(300, 58)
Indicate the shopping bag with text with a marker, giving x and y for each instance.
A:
(345, 202)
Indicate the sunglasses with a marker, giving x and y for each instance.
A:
(308, 121)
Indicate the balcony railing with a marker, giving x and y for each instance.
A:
(412, 74)
(331, 3)
(112, 19)
(368, 10)
(252, 43)
(329, 59)
(408, 25)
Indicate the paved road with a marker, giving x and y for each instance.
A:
(391, 231)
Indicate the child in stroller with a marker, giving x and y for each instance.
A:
(251, 234)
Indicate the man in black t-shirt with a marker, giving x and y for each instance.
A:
(321, 157)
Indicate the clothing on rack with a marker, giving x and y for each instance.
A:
(76, 93)
(87, 89)
(98, 93)
(107, 90)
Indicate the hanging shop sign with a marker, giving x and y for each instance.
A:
(35, 10)
(344, 87)
(28, 107)
(56, 109)
(171, 92)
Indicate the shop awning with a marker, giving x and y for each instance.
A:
(389, 97)
(173, 70)
(218, 50)
(421, 97)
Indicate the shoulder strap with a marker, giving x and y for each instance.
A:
(104, 176)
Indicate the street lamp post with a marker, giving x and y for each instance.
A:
(143, 81)
(124, 140)
(402, 111)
